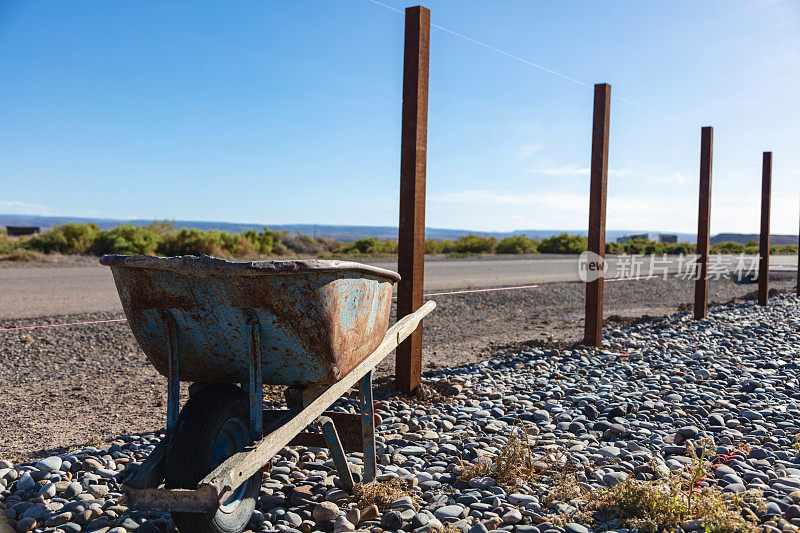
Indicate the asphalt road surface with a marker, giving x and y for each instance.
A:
(28, 292)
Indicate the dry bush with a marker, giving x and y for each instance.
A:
(513, 464)
(380, 493)
(93, 441)
(663, 505)
(560, 476)
(21, 254)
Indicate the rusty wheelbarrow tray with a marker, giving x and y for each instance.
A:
(319, 327)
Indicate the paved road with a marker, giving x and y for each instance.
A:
(31, 292)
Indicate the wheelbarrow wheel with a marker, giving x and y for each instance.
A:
(212, 426)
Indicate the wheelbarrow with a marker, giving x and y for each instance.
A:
(317, 327)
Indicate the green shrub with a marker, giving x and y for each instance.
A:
(727, 247)
(783, 249)
(369, 246)
(70, 238)
(128, 239)
(449, 246)
(752, 242)
(564, 244)
(476, 244)
(6, 244)
(517, 244)
(677, 248)
(192, 242)
(262, 242)
(639, 246)
(647, 247)
(432, 246)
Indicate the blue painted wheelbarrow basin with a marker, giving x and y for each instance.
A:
(317, 319)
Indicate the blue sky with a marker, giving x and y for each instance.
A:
(289, 112)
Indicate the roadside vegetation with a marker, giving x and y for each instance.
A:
(162, 238)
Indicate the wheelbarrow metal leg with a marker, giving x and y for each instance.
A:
(339, 458)
(368, 426)
(255, 387)
(173, 381)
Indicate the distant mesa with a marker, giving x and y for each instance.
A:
(345, 233)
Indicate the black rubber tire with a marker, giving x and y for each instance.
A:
(189, 457)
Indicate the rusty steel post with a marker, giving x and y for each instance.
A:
(411, 239)
(593, 325)
(703, 223)
(763, 243)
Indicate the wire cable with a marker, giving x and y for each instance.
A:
(535, 65)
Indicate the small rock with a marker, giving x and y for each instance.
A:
(343, 524)
(48, 490)
(610, 451)
(72, 490)
(612, 478)
(478, 528)
(572, 527)
(26, 482)
(392, 521)
(450, 513)
(353, 515)
(49, 464)
(370, 513)
(513, 516)
(411, 450)
(26, 524)
(325, 512)
(481, 483)
(98, 491)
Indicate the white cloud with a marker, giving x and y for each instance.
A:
(528, 150)
(562, 170)
(674, 177)
(12, 207)
(577, 170)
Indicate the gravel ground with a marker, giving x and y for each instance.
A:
(76, 384)
(623, 416)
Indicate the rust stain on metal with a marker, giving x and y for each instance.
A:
(316, 325)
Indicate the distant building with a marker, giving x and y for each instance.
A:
(628, 238)
(658, 237)
(21, 231)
